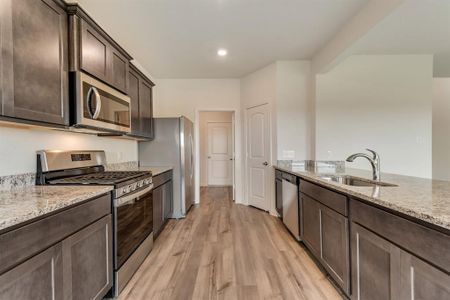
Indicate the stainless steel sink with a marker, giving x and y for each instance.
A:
(354, 181)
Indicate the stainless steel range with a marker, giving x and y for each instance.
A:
(132, 203)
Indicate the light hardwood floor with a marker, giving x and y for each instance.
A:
(224, 250)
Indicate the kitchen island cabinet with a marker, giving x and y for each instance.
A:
(391, 254)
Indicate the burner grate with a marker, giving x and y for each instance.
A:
(100, 178)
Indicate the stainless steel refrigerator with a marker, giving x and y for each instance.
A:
(173, 146)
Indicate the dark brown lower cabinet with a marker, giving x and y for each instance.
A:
(381, 270)
(87, 261)
(311, 224)
(375, 266)
(167, 200)
(420, 280)
(78, 267)
(335, 252)
(326, 234)
(157, 210)
(40, 277)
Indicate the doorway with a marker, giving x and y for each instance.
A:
(216, 132)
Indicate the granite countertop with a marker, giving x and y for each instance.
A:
(24, 204)
(425, 199)
(155, 170)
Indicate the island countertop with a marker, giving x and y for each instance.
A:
(25, 204)
(424, 199)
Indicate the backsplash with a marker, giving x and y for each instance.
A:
(123, 166)
(11, 182)
(320, 166)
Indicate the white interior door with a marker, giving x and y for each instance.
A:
(258, 156)
(220, 154)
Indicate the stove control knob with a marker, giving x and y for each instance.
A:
(140, 183)
(133, 187)
(126, 189)
(147, 181)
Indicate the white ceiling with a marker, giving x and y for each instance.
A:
(179, 38)
(415, 27)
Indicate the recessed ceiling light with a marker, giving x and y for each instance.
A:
(222, 52)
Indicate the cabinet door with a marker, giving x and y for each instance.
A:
(279, 197)
(375, 266)
(33, 60)
(133, 92)
(335, 246)
(94, 49)
(311, 224)
(146, 109)
(157, 209)
(420, 280)
(168, 191)
(87, 258)
(118, 72)
(37, 278)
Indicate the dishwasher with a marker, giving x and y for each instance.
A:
(291, 211)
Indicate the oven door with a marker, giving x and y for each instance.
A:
(99, 106)
(133, 215)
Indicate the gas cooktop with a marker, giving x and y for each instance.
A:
(101, 178)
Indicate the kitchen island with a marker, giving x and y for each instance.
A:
(382, 241)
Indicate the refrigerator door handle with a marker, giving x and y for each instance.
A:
(192, 155)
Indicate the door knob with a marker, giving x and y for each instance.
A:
(265, 163)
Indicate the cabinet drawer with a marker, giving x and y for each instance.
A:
(329, 198)
(20, 244)
(429, 244)
(162, 178)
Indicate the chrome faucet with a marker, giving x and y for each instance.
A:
(374, 161)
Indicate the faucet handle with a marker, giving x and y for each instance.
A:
(375, 154)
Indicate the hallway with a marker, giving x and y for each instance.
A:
(224, 250)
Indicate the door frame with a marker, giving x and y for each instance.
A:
(235, 127)
(232, 149)
(271, 205)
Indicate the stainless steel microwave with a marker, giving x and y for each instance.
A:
(99, 107)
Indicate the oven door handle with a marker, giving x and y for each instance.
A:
(132, 198)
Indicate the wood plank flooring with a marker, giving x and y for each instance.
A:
(224, 250)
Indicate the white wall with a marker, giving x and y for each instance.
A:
(204, 118)
(175, 97)
(18, 146)
(441, 126)
(259, 88)
(381, 102)
(293, 110)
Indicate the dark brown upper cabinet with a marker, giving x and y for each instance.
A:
(93, 51)
(34, 61)
(141, 94)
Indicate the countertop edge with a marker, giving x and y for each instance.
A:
(31, 216)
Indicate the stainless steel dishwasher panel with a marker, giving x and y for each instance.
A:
(291, 205)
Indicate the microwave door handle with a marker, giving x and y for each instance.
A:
(98, 106)
(98, 102)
